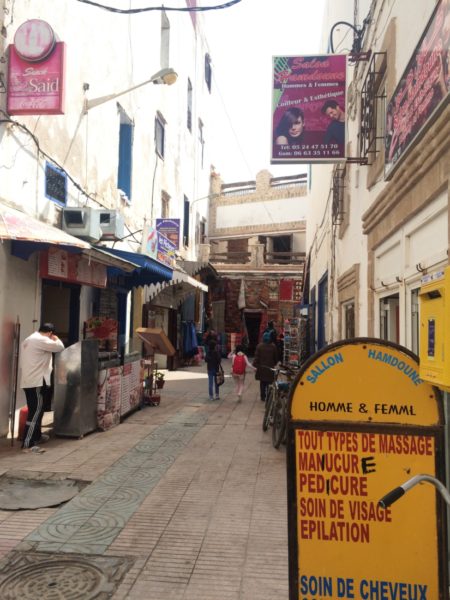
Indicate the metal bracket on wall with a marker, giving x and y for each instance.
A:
(359, 160)
(356, 57)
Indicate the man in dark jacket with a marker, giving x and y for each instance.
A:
(266, 357)
(213, 360)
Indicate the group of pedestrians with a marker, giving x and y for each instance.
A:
(265, 358)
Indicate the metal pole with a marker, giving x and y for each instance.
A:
(14, 371)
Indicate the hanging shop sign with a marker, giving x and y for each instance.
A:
(308, 109)
(170, 229)
(72, 268)
(157, 246)
(361, 422)
(36, 71)
(422, 88)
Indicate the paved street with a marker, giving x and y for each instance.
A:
(186, 500)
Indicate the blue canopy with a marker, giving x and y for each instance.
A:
(147, 269)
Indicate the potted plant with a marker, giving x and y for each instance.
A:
(159, 379)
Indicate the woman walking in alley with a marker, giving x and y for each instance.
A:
(239, 364)
(266, 357)
(213, 360)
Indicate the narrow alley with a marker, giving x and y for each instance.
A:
(186, 500)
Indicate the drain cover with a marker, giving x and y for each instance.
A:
(31, 575)
(31, 491)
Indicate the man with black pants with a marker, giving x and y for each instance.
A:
(36, 361)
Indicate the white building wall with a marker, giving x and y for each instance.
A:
(106, 53)
(337, 252)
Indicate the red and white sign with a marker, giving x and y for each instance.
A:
(72, 268)
(36, 71)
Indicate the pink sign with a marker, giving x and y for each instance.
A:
(308, 109)
(36, 88)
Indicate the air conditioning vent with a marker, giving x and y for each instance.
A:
(112, 224)
(83, 223)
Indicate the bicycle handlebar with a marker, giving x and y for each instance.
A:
(283, 369)
(391, 497)
(400, 491)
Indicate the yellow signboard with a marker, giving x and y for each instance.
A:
(349, 443)
(364, 382)
(348, 546)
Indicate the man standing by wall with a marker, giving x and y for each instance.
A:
(36, 359)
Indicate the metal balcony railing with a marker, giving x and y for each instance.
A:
(283, 258)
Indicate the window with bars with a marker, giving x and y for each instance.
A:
(373, 107)
(338, 210)
(55, 184)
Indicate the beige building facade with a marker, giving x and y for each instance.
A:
(376, 227)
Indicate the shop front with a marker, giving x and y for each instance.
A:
(87, 293)
(177, 307)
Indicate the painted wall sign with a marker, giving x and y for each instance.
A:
(36, 71)
(378, 424)
(308, 109)
(423, 86)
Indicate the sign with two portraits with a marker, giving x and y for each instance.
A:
(308, 109)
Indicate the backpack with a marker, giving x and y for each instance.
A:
(239, 364)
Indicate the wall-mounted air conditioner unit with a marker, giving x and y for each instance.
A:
(83, 223)
(112, 224)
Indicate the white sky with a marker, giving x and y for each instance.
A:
(242, 41)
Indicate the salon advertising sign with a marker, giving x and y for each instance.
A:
(361, 423)
(36, 71)
(308, 109)
(422, 88)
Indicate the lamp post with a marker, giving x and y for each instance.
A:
(165, 76)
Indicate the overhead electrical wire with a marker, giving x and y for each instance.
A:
(21, 126)
(133, 11)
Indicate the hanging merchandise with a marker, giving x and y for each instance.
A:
(292, 342)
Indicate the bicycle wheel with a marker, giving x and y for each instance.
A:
(268, 410)
(279, 421)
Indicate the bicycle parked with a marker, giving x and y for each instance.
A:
(275, 412)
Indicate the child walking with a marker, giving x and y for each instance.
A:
(239, 364)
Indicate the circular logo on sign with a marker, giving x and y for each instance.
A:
(34, 40)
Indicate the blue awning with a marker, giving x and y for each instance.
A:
(147, 269)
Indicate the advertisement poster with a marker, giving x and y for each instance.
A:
(308, 109)
(423, 86)
(170, 229)
(158, 247)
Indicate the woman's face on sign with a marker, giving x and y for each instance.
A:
(296, 129)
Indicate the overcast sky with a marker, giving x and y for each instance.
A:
(242, 40)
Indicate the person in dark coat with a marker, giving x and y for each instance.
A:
(266, 357)
(213, 360)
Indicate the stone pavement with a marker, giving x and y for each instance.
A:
(186, 501)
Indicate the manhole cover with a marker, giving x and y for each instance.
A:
(31, 575)
(33, 491)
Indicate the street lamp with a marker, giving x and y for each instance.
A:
(165, 76)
